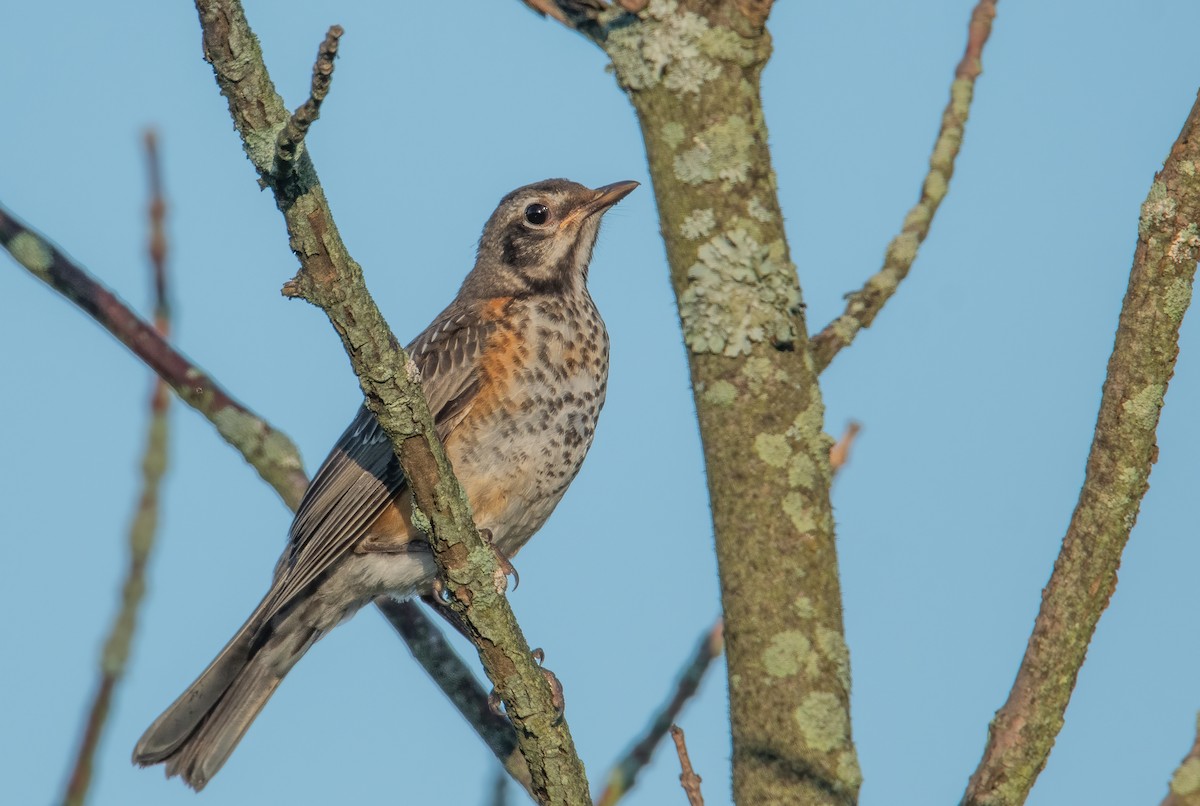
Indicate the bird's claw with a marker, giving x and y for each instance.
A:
(556, 690)
(505, 568)
(495, 704)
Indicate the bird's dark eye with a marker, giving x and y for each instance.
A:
(537, 214)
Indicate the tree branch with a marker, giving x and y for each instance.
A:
(31, 249)
(624, 774)
(329, 278)
(688, 779)
(145, 520)
(864, 305)
(1185, 783)
(1117, 477)
(268, 451)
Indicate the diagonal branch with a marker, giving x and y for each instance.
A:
(145, 522)
(269, 451)
(1117, 477)
(1185, 783)
(864, 305)
(624, 774)
(329, 278)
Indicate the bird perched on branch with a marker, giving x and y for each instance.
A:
(515, 371)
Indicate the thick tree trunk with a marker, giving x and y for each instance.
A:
(692, 71)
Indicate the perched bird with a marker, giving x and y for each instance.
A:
(515, 370)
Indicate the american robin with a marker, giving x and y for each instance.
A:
(515, 370)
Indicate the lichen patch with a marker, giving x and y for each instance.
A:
(822, 721)
(739, 293)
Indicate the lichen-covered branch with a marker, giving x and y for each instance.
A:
(1117, 477)
(865, 304)
(268, 451)
(329, 278)
(179, 372)
(625, 772)
(692, 70)
(1185, 783)
(145, 520)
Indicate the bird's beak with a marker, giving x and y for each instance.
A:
(609, 195)
(605, 198)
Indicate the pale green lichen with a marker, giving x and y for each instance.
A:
(673, 134)
(757, 211)
(773, 449)
(1184, 244)
(1177, 298)
(848, 771)
(1144, 406)
(833, 647)
(721, 393)
(739, 293)
(804, 607)
(1158, 208)
(1186, 779)
(1187, 167)
(698, 224)
(726, 45)
(823, 721)
(31, 252)
(799, 513)
(723, 151)
(802, 471)
(935, 186)
(903, 248)
(665, 46)
(788, 653)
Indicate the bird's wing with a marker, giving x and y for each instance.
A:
(361, 476)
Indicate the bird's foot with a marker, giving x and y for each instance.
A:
(505, 568)
(556, 690)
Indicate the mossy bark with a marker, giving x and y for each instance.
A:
(692, 71)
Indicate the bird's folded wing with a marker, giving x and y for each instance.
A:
(361, 476)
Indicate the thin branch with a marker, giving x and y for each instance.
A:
(499, 794)
(291, 138)
(329, 278)
(688, 779)
(1185, 783)
(624, 774)
(145, 521)
(1117, 477)
(839, 454)
(266, 449)
(864, 305)
(431, 649)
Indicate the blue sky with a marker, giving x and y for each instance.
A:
(977, 387)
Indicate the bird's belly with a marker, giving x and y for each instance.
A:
(525, 451)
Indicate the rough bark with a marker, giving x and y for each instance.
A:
(692, 71)
(1118, 471)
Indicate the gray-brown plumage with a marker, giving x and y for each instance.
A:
(515, 370)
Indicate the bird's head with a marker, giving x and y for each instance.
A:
(540, 238)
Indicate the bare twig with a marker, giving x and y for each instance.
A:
(291, 138)
(839, 454)
(864, 305)
(1118, 471)
(624, 774)
(329, 278)
(1185, 783)
(688, 779)
(456, 681)
(145, 521)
